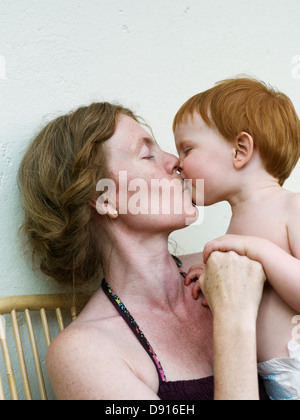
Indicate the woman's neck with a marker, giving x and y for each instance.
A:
(141, 269)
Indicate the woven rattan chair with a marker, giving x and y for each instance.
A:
(23, 306)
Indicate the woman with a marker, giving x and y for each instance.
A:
(75, 234)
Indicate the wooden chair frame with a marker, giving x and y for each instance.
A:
(42, 303)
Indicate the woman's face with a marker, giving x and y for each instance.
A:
(150, 192)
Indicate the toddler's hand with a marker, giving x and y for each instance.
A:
(195, 272)
(247, 246)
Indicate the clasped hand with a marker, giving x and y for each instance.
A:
(228, 281)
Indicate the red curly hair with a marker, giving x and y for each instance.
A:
(246, 104)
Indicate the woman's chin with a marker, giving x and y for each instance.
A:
(189, 217)
(193, 216)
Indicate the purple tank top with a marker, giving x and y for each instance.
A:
(195, 389)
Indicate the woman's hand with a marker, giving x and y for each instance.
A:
(232, 283)
(233, 286)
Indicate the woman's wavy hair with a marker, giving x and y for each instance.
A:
(57, 179)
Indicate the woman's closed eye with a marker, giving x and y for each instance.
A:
(147, 154)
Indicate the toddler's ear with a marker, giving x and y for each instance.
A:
(243, 150)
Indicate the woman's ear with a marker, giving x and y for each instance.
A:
(92, 203)
(104, 208)
(243, 150)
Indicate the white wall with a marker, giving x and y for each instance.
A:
(149, 55)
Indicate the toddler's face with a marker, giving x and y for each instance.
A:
(204, 154)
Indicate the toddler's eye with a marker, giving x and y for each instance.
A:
(148, 157)
(187, 151)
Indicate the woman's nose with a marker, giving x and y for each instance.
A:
(180, 169)
(181, 164)
(172, 163)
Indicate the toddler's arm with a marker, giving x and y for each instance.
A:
(282, 270)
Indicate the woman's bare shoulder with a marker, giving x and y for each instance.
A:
(86, 363)
(78, 357)
(90, 328)
(74, 356)
(74, 336)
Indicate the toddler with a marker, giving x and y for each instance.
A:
(243, 138)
